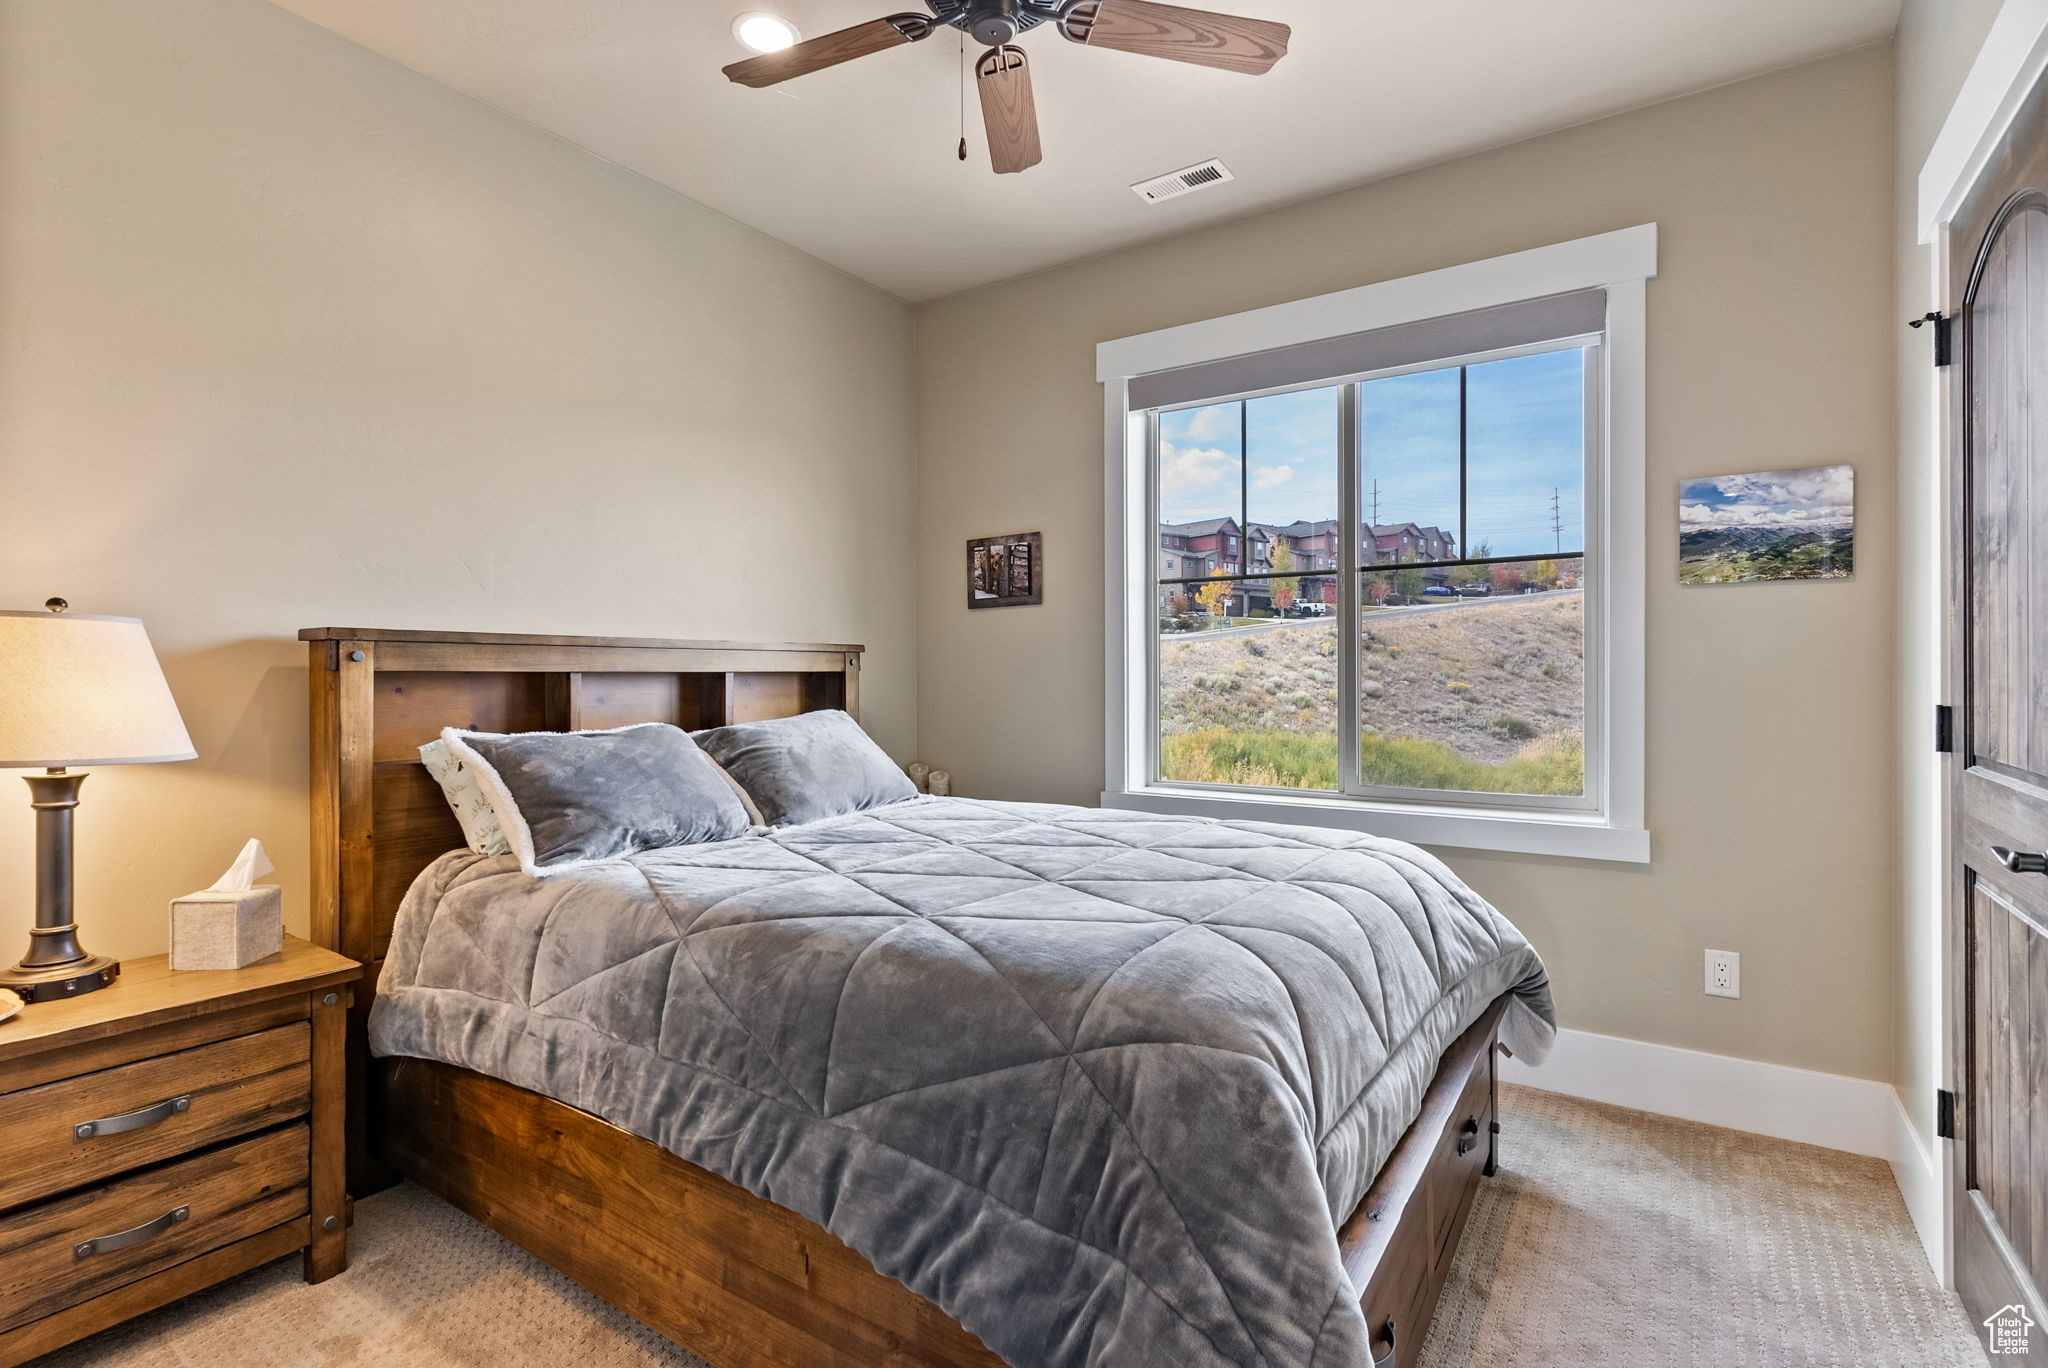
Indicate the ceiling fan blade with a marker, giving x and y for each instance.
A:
(1003, 75)
(1227, 41)
(815, 54)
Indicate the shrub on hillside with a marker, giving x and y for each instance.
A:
(1553, 764)
(1265, 759)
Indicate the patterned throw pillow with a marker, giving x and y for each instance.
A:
(481, 831)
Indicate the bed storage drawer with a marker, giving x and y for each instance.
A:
(1395, 1300)
(1398, 1246)
(64, 1251)
(1461, 1159)
(64, 1134)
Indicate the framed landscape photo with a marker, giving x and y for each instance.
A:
(1773, 525)
(1005, 572)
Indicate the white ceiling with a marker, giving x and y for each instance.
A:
(857, 165)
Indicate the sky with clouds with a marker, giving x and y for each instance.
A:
(1525, 437)
(1813, 497)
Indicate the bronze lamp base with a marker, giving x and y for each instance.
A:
(56, 965)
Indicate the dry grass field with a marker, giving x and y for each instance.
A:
(1478, 695)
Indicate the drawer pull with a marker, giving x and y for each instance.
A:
(135, 1120)
(1385, 1360)
(107, 1244)
(1468, 1135)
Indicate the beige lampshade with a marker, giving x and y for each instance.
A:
(83, 690)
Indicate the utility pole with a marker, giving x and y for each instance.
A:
(1556, 521)
(1372, 551)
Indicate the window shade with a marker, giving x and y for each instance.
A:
(1408, 344)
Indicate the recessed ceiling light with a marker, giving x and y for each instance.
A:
(765, 32)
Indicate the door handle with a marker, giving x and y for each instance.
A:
(2021, 861)
(1385, 1360)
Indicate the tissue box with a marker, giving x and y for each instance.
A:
(227, 930)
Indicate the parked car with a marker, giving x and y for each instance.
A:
(1475, 590)
(1438, 591)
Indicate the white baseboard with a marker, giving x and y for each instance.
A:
(1920, 1182)
(1854, 1114)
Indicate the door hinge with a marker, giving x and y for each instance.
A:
(1944, 728)
(1943, 328)
(1945, 1114)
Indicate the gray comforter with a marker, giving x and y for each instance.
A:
(1100, 1084)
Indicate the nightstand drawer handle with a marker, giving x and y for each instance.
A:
(107, 1244)
(135, 1120)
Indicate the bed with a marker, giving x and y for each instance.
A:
(1060, 1072)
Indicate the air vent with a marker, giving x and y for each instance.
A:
(1185, 181)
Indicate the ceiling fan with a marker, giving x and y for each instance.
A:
(1003, 74)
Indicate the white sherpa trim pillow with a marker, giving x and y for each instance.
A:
(566, 800)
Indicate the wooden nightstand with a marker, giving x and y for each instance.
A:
(165, 1133)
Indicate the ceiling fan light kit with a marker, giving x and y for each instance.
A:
(1226, 42)
(765, 32)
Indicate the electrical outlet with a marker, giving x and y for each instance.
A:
(1724, 974)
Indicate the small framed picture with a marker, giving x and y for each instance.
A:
(1771, 525)
(1005, 572)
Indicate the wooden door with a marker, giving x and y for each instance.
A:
(1998, 916)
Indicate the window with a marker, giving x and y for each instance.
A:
(1468, 673)
(1471, 665)
(1435, 632)
(1246, 685)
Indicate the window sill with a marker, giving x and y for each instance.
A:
(1515, 831)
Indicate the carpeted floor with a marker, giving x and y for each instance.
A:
(1616, 1237)
(1611, 1237)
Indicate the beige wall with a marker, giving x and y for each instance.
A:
(1938, 39)
(290, 335)
(1770, 706)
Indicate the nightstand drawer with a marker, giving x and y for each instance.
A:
(65, 1251)
(65, 1134)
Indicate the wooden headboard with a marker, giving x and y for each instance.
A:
(379, 818)
(378, 695)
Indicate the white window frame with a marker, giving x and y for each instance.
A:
(1609, 824)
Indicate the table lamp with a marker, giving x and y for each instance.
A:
(74, 690)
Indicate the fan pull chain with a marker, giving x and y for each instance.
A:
(963, 94)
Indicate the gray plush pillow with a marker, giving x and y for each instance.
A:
(568, 799)
(799, 769)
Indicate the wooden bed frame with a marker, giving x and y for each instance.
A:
(737, 1280)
